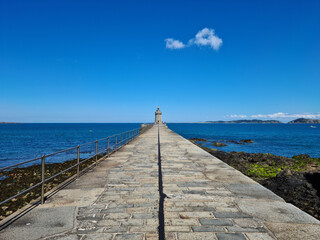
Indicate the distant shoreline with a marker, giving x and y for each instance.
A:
(257, 121)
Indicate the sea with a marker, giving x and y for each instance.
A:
(21, 142)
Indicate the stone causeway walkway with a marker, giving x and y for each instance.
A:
(203, 198)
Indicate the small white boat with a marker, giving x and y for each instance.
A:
(313, 126)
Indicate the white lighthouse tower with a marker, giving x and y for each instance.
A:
(158, 118)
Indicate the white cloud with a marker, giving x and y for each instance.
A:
(237, 116)
(174, 44)
(205, 37)
(279, 115)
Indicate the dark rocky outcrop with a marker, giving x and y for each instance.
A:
(296, 188)
(219, 144)
(198, 140)
(246, 141)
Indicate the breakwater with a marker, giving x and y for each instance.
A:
(204, 198)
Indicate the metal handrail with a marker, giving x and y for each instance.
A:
(129, 135)
(15, 165)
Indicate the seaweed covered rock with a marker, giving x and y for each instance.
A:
(296, 179)
(198, 140)
(246, 141)
(219, 144)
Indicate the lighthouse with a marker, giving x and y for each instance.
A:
(158, 114)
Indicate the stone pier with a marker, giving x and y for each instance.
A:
(203, 198)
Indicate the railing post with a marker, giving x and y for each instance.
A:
(115, 145)
(78, 161)
(121, 138)
(42, 178)
(108, 148)
(96, 152)
(126, 137)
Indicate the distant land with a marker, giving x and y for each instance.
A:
(254, 121)
(305, 120)
(9, 123)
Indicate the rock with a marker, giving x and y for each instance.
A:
(295, 188)
(246, 141)
(235, 142)
(219, 144)
(4, 208)
(8, 213)
(284, 173)
(198, 139)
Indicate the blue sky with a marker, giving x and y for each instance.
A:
(116, 61)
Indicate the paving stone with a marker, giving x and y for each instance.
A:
(129, 236)
(138, 210)
(98, 236)
(230, 236)
(152, 236)
(247, 222)
(114, 229)
(109, 222)
(244, 229)
(183, 222)
(149, 229)
(170, 236)
(177, 229)
(186, 215)
(216, 222)
(117, 215)
(231, 215)
(132, 222)
(259, 236)
(113, 210)
(197, 236)
(144, 215)
(208, 229)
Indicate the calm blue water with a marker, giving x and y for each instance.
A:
(19, 142)
(280, 139)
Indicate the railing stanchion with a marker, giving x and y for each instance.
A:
(121, 138)
(108, 148)
(96, 152)
(126, 137)
(115, 145)
(78, 161)
(42, 178)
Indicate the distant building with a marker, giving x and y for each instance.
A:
(158, 117)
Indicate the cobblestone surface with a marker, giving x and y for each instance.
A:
(128, 208)
(207, 199)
